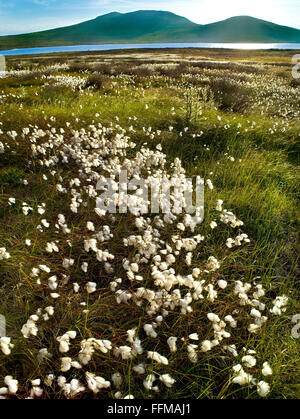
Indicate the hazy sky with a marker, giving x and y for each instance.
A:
(20, 16)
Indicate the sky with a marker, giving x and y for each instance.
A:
(22, 16)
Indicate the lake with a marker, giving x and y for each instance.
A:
(107, 47)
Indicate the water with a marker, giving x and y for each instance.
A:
(107, 47)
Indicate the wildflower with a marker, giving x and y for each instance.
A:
(67, 263)
(139, 369)
(52, 282)
(242, 378)
(219, 205)
(43, 354)
(67, 364)
(6, 345)
(231, 349)
(49, 310)
(267, 370)
(213, 317)
(167, 380)
(36, 391)
(149, 330)
(11, 384)
(51, 247)
(213, 263)
(148, 382)
(117, 379)
(45, 223)
(84, 267)
(192, 354)
(90, 226)
(230, 242)
(96, 383)
(279, 305)
(255, 313)
(155, 356)
(222, 284)
(213, 225)
(49, 380)
(90, 245)
(30, 328)
(124, 351)
(206, 346)
(209, 184)
(194, 336)
(172, 343)
(91, 287)
(249, 361)
(4, 254)
(263, 388)
(64, 341)
(231, 321)
(41, 209)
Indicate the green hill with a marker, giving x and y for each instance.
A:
(153, 26)
(248, 29)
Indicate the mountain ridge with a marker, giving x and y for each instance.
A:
(151, 26)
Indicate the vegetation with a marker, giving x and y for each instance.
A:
(121, 305)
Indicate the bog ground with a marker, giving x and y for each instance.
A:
(142, 305)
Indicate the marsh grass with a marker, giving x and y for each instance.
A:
(260, 185)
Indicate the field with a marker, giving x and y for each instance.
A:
(141, 305)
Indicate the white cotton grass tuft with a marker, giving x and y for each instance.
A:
(263, 389)
(160, 269)
(267, 370)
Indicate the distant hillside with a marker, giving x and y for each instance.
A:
(154, 27)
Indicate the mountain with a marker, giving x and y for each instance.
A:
(248, 29)
(149, 26)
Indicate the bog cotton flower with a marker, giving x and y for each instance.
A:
(155, 356)
(213, 225)
(6, 345)
(206, 346)
(11, 383)
(263, 388)
(241, 377)
(95, 384)
(91, 287)
(4, 254)
(267, 370)
(194, 336)
(148, 382)
(222, 284)
(249, 361)
(219, 205)
(167, 380)
(172, 343)
(90, 226)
